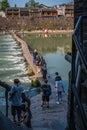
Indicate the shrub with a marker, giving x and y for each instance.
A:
(35, 83)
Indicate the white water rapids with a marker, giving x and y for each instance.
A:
(12, 64)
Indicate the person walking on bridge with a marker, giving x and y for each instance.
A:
(35, 53)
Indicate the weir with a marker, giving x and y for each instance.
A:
(27, 55)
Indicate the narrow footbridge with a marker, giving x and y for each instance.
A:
(27, 55)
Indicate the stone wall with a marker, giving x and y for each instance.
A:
(53, 23)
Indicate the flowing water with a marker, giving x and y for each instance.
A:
(12, 64)
(53, 49)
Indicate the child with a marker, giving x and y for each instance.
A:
(59, 87)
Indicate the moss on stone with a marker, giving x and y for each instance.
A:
(30, 71)
(35, 83)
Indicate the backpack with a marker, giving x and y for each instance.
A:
(48, 90)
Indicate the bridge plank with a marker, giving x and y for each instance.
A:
(27, 55)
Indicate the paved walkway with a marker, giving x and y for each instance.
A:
(52, 118)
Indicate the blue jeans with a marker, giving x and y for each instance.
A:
(59, 95)
(16, 110)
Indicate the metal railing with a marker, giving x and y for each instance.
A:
(80, 60)
(78, 42)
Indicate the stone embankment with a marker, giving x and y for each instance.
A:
(49, 31)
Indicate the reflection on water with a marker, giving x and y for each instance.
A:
(49, 44)
(56, 62)
(53, 48)
(12, 64)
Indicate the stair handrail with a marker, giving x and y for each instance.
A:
(77, 41)
(83, 58)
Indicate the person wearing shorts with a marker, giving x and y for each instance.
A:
(45, 94)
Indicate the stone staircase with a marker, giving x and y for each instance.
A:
(53, 118)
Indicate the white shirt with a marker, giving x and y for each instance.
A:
(59, 85)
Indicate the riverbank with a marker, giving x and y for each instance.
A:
(42, 31)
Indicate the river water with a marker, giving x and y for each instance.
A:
(53, 48)
(12, 64)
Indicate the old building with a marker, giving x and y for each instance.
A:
(69, 9)
(40, 11)
(12, 12)
(46, 12)
(34, 12)
(30, 12)
(66, 9)
(61, 10)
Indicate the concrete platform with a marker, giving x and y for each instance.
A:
(52, 118)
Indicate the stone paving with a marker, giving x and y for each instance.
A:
(52, 118)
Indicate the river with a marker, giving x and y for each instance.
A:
(53, 48)
(12, 64)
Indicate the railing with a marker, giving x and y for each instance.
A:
(78, 42)
(79, 61)
(7, 89)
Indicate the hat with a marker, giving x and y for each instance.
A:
(16, 81)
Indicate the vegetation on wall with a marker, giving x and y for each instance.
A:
(37, 24)
(35, 83)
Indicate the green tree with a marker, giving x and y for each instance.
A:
(0, 6)
(15, 5)
(4, 4)
(31, 3)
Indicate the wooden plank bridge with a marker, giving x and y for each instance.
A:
(27, 55)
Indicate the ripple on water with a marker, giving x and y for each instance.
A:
(12, 64)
